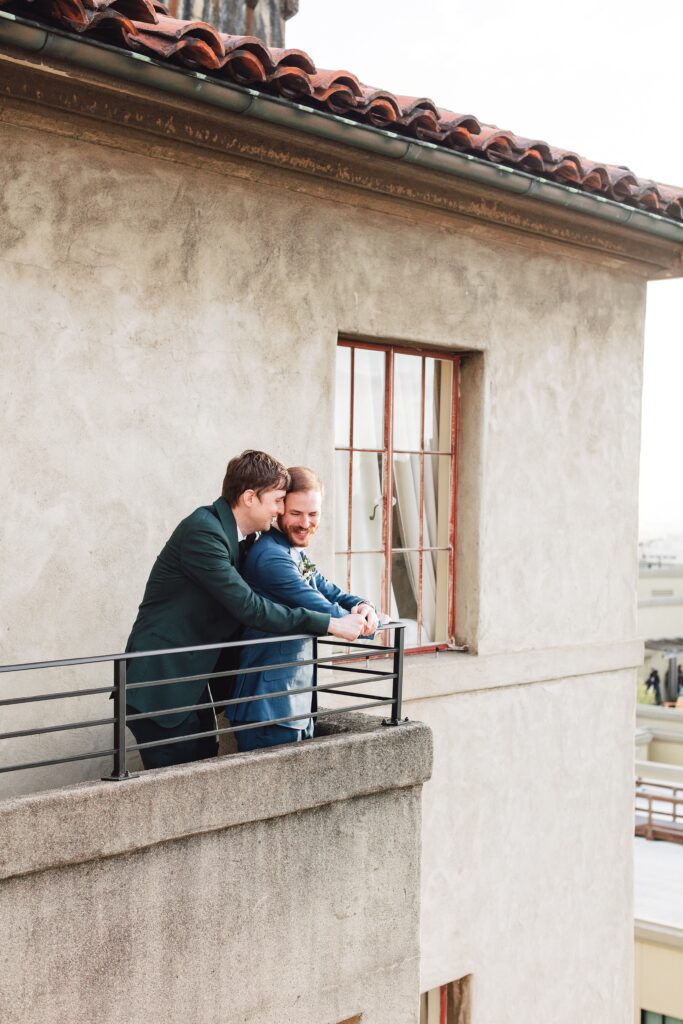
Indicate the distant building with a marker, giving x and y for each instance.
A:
(658, 907)
(658, 933)
(660, 622)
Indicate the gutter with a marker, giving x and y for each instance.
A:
(145, 71)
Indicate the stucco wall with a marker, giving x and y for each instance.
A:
(158, 319)
(280, 886)
(659, 979)
(527, 849)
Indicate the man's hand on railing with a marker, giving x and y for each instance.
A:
(349, 627)
(370, 616)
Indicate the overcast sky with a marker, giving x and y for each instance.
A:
(603, 81)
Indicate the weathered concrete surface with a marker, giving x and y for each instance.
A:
(263, 909)
(94, 820)
(171, 316)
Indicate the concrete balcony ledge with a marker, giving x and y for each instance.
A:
(277, 887)
(354, 756)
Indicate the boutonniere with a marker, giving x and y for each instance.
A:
(307, 568)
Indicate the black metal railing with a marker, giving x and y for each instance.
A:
(120, 749)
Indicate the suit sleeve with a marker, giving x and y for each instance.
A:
(274, 573)
(336, 595)
(204, 557)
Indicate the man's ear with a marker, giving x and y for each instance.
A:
(248, 497)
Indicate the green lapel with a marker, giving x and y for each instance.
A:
(229, 525)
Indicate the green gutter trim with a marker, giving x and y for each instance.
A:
(138, 68)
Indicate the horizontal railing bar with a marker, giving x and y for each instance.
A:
(241, 671)
(64, 662)
(56, 760)
(353, 693)
(655, 798)
(184, 739)
(131, 655)
(255, 725)
(186, 679)
(363, 647)
(54, 728)
(361, 671)
(221, 704)
(55, 696)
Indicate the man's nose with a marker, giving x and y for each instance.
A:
(306, 522)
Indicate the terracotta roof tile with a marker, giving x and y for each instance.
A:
(146, 27)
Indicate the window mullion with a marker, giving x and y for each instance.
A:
(352, 399)
(453, 508)
(420, 511)
(387, 517)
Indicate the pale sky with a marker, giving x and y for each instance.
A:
(602, 80)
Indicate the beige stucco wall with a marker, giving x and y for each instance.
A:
(659, 979)
(159, 319)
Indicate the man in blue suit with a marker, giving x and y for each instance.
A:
(277, 568)
(195, 596)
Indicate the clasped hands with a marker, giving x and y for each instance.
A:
(362, 621)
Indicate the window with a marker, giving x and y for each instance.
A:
(647, 1017)
(448, 1004)
(395, 484)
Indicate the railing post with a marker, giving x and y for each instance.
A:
(397, 681)
(120, 770)
(314, 694)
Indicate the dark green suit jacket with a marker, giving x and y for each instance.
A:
(195, 595)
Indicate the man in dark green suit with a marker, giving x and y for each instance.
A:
(195, 595)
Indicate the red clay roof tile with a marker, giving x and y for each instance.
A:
(145, 26)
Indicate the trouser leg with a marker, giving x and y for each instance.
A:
(266, 736)
(148, 730)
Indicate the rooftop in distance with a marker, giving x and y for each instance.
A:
(658, 885)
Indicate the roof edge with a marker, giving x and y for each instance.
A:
(143, 70)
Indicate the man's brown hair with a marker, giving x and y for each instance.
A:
(303, 479)
(253, 471)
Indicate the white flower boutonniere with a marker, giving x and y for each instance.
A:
(307, 568)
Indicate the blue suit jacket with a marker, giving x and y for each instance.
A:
(271, 568)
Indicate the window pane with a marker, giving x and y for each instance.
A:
(405, 575)
(368, 399)
(405, 568)
(366, 522)
(437, 492)
(435, 597)
(342, 398)
(406, 501)
(366, 577)
(407, 401)
(438, 404)
(341, 501)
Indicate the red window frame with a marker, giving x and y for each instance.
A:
(387, 453)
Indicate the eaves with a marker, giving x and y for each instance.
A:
(121, 98)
